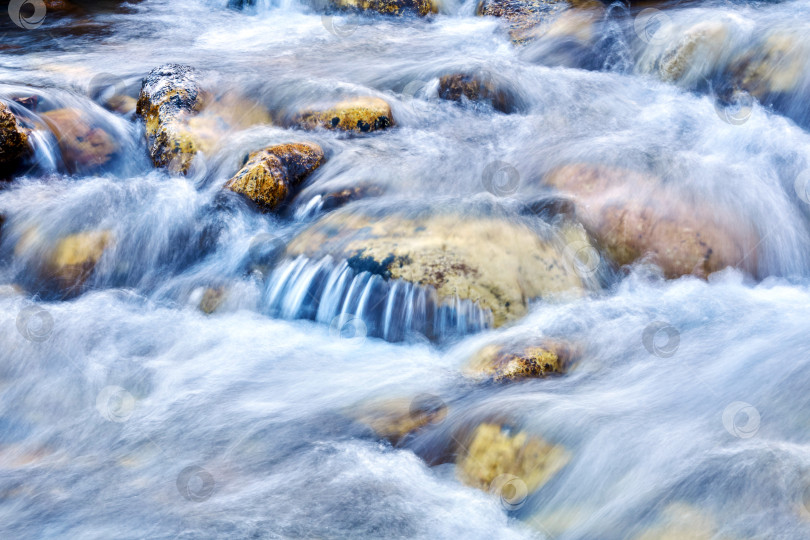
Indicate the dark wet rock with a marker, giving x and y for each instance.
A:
(84, 145)
(29, 102)
(169, 96)
(512, 362)
(13, 141)
(356, 115)
(550, 209)
(528, 19)
(636, 216)
(389, 7)
(336, 199)
(271, 174)
(477, 87)
(490, 260)
(182, 119)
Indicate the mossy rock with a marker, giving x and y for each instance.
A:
(13, 141)
(493, 452)
(389, 7)
(271, 174)
(498, 263)
(84, 145)
(181, 119)
(503, 363)
(476, 87)
(635, 215)
(355, 115)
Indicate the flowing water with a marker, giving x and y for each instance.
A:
(125, 412)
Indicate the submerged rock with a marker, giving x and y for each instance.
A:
(358, 115)
(774, 66)
(336, 199)
(502, 363)
(494, 456)
(395, 419)
(181, 119)
(498, 263)
(84, 145)
(74, 257)
(681, 521)
(13, 141)
(389, 7)
(528, 19)
(475, 87)
(212, 299)
(695, 54)
(633, 216)
(270, 174)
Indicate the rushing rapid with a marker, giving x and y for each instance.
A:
(204, 383)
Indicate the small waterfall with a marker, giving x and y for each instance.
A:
(333, 293)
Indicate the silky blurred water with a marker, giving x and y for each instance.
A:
(125, 412)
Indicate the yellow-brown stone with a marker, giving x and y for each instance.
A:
(270, 174)
(634, 215)
(74, 257)
(494, 451)
(83, 145)
(502, 363)
(776, 65)
(498, 263)
(357, 115)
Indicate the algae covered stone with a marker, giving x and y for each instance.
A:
(270, 174)
(501, 264)
(357, 115)
(502, 363)
(495, 453)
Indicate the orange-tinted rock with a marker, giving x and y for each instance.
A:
(84, 146)
(634, 215)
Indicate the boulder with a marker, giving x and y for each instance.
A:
(389, 7)
(181, 119)
(356, 115)
(635, 215)
(475, 87)
(494, 456)
(13, 141)
(271, 174)
(84, 145)
(503, 363)
(528, 19)
(496, 262)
